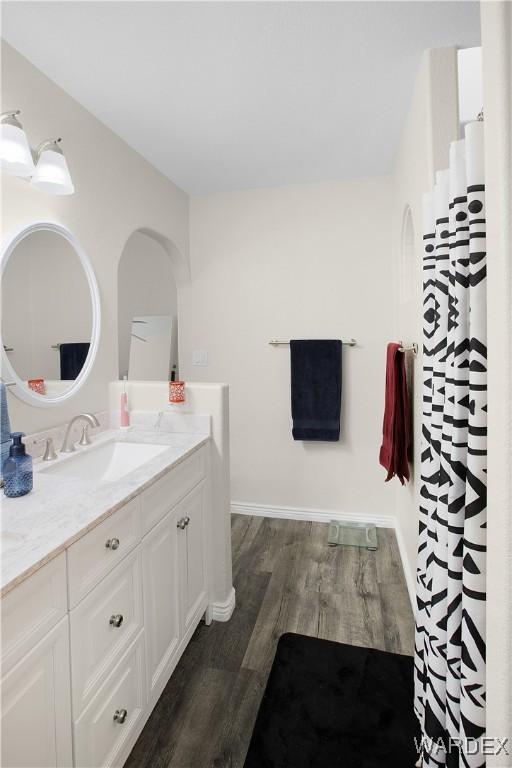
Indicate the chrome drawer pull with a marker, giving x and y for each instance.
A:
(112, 544)
(116, 620)
(120, 716)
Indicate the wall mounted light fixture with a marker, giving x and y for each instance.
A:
(15, 154)
(46, 167)
(51, 173)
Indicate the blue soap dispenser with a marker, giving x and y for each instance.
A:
(17, 470)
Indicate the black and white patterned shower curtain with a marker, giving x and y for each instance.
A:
(450, 618)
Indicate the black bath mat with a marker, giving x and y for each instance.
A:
(330, 705)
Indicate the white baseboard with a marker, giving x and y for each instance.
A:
(224, 611)
(313, 515)
(325, 516)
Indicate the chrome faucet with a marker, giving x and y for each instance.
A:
(69, 444)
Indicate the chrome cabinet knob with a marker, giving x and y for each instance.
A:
(112, 544)
(120, 716)
(116, 620)
(181, 524)
(187, 521)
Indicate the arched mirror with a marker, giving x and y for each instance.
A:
(50, 314)
(147, 311)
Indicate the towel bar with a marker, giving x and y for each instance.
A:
(347, 342)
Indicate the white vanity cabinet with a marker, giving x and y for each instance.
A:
(35, 684)
(106, 731)
(102, 626)
(93, 556)
(193, 561)
(36, 726)
(160, 569)
(117, 609)
(175, 588)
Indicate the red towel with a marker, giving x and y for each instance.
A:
(396, 430)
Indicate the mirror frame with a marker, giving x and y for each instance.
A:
(9, 375)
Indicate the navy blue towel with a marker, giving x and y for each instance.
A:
(6, 426)
(316, 389)
(72, 359)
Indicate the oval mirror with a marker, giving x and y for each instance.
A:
(50, 314)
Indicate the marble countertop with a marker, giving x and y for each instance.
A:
(37, 527)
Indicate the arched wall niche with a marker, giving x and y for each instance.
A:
(181, 268)
(150, 270)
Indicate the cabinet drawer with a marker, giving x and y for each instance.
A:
(166, 492)
(97, 553)
(100, 740)
(30, 610)
(102, 626)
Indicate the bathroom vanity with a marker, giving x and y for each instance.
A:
(106, 573)
(122, 547)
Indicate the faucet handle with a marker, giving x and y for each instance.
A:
(85, 439)
(49, 450)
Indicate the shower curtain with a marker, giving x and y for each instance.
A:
(450, 616)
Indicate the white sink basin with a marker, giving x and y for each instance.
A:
(106, 463)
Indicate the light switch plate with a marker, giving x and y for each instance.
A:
(199, 357)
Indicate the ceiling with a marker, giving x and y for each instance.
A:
(234, 95)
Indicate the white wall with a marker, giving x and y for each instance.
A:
(319, 260)
(45, 302)
(309, 261)
(431, 124)
(146, 286)
(497, 87)
(117, 193)
(469, 85)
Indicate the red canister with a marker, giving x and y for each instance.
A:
(176, 391)
(37, 385)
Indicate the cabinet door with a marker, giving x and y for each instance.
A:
(191, 541)
(161, 601)
(36, 706)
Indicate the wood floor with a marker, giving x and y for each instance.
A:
(287, 580)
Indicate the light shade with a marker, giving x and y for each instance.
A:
(15, 154)
(51, 173)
